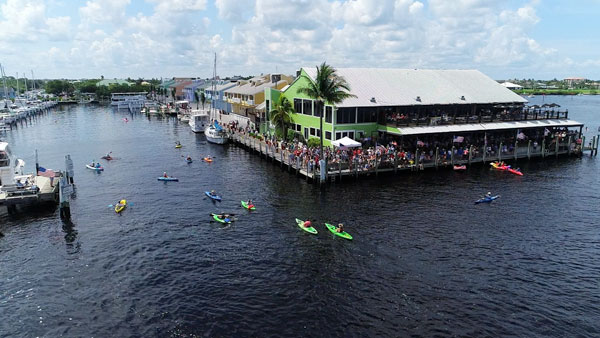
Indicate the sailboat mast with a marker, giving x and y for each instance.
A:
(18, 92)
(4, 83)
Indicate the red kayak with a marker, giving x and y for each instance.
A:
(515, 171)
(497, 165)
(460, 167)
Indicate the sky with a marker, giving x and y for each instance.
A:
(504, 39)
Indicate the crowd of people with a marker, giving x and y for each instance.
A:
(410, 152)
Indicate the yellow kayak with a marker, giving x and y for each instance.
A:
(120, 206)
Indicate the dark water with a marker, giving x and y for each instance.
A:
(425, 261)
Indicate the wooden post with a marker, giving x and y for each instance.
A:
(437, 156)
(544, 148)
(484, 152)
(281, 158)
(297, 165)
(417, 158)
(500, 152)
(470, 154)
(529, 149)
(516, 149)
(556, 146)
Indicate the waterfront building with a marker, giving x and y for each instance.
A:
(217, 96)
(512, 86)
(195, 86)
(418, 107)
(247, 98)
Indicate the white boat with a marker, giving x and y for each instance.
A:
(215, 134)
(198, 121)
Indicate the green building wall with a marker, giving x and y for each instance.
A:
(310, 121)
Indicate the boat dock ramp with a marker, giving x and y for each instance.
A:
(342, 170)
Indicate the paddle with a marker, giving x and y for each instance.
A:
(129, 204)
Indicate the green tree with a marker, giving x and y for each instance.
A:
(173, 94)
(327, 87)
(281, 114)
(202, 99)
(197, 99)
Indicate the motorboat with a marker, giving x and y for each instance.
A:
(199, 120)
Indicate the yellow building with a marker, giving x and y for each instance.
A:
(247, 97)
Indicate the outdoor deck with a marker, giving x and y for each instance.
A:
(339, 171)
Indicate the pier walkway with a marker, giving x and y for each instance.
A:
(341, 170)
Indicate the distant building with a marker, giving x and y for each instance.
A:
(511, 85)
(195, 86)
(108, 82)
(573, 80)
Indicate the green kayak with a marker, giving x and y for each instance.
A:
(341, 234)
(309, 229)
(216, 218)
(245, 205)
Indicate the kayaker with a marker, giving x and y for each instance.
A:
(250, 204)
(189, 158)
(213, 193)
(340, 228)
(165, 174)
(177, 143)
(488, 195)
(98, 165)
(307, 224)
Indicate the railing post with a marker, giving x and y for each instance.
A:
(529, 149)
(437, 156)
(516, 149)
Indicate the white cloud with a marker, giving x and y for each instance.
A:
(178, 37)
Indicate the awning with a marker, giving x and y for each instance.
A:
(474, 127)
(346, 142)
(261, 106)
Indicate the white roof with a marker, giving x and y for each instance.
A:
(222, 86)
(346, 142)
(510, 85)
(401, 87)
(458, 128)
(261, 106)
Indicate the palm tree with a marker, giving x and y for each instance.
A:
(202, 99)
(197, 100)
(173, 94)
(327, 87)
(281, 114)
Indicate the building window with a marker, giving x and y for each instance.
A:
(298, 106)
(328, 114)
(360, 134)
(366, 115)
(307, 107)
(342, 134)
(298, 128)
(345, 115)
(312, 131)
(317, 111)
(318, 132)
(328, 135)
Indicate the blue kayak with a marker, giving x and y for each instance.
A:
(188, 161)
(487, 199)
(168, 179)
(216, 198)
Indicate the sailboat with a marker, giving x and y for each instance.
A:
(214, 132)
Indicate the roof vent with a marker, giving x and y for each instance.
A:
(418, 98)
(373, 100)
(462, 98)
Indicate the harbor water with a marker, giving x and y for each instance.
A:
(424, 261)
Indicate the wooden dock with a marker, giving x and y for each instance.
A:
(339, 171)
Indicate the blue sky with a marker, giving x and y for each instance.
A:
(164, 38)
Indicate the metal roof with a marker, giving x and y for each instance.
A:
(249, 89)
(459, 128)
(412, 87)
